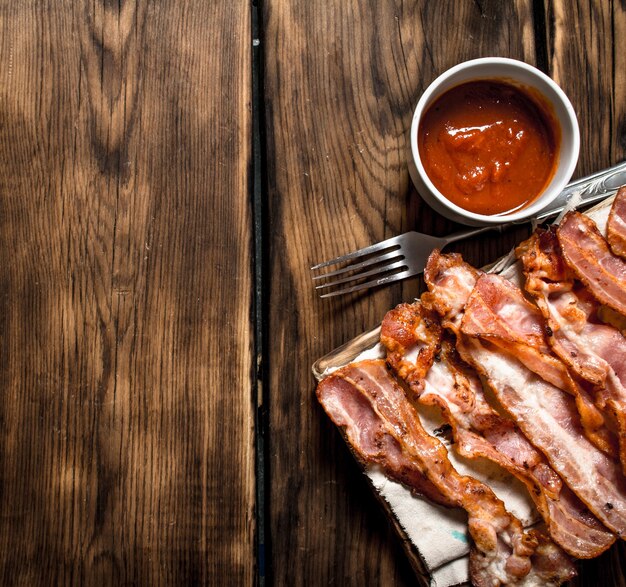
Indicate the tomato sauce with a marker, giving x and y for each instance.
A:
(488, 146)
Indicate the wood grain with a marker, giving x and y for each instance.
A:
(341, 82)
(127, 259)
(126, 408)
(586, 59)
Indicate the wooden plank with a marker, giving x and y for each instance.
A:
(584, 42)
(126, 413)
(585, 58)
(341, 81)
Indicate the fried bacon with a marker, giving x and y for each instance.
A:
(456, 280)
(382, 427)
(524, 336)
(513, 324)
(413, 339)
(616, 226)
(593, 350)
(372, 438)
(555, 374)
(545, 414)
(587, 253)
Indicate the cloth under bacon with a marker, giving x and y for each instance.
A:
(428, 363)
(593, 350)
(616, 225)
(383, 428)
(546, 415)
(588, 255)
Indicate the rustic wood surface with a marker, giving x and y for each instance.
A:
(165, 183)
(126, 416)
(342, 80)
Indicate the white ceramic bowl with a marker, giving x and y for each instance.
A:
(517, 73)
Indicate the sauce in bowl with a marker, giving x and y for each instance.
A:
(488, 146)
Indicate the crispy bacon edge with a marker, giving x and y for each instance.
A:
(616, 225)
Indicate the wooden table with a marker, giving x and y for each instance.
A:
(168, 173)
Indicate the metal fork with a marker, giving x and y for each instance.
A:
(405, 255)
(396, 258)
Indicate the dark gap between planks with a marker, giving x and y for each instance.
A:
(260, 310)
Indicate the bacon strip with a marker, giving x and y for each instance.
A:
(616, 226)
(456, 281)
(593, 350)
(587, 253)
(517, 326)
(384, 428)
(413, 339)
(545, 414)
(371, 437)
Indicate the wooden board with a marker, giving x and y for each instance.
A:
(127, 267)
(585, 57)
(126, 414)
(341, 82)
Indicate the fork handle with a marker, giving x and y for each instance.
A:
(591, 189)
(461, 234)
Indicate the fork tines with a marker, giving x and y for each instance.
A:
(384, 260)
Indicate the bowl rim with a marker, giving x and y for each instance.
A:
(569, 155)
